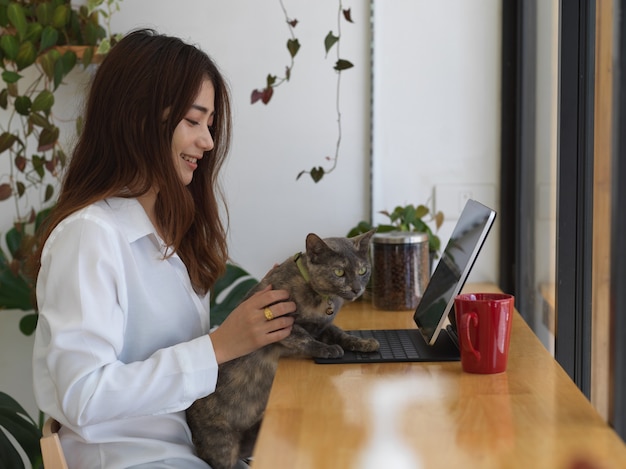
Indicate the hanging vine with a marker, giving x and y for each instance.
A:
(331, 41)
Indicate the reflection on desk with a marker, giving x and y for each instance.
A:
(531, 416)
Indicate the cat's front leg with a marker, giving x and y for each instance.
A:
(334, 334)
(301, 343)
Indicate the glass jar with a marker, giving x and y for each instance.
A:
(400, 269)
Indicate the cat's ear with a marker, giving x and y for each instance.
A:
(315, 245)
(362, 241)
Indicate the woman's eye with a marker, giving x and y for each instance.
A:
(192, 122)
(339, 272)
(362, 271)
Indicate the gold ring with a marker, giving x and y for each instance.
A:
(268, 314)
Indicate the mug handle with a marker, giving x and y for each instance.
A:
(466, 320)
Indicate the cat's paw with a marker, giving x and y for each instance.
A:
(332, 351)
(367, 345)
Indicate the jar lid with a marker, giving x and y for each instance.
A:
(400, 237)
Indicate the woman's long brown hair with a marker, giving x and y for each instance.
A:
(140, 93)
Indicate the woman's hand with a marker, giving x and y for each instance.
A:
(247, 329)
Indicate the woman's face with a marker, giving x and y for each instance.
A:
(192, 136)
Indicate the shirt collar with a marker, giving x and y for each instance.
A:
(132, 218)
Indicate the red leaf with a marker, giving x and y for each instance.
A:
(256, 95)
(293, 23)
(5, 191)
(267, 94)
(20, 163)
(347, 14)
(264, 96)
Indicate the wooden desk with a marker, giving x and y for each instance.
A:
(531, 416)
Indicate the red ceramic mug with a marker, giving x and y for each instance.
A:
(483, 322)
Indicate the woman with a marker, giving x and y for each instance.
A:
(122, 346)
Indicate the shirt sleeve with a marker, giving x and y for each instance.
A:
(81, 292)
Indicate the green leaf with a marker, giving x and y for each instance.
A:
(422, 211)
(330, 41)
(22, 105)
(6, 141)
(48, 139)
(343, 65)
(33, 32)
(228, 291)
(26, 55)
(360, 228)
(8, 453)
(10, 77)
(49, 38)
(14, 239)
(317, 173)
(271, 79)
(16, 422)
(48, 61)
(63, 66)
(60, 16)
(386, 228)
(293, 46)
(45, 13)
(49, 192)
(88, 55)
(28, 324)
(421, 226)
(41, 217)
(17, 18)
(15, 292)
(39, 120)
(43, 102)
(10, 46)
(39, 165)
(93, 33)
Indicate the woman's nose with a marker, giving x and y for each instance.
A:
(206, 140)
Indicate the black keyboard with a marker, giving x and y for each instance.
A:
(394, 344)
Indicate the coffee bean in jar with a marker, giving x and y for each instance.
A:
(400, 269)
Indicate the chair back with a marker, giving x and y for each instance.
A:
(51, 450)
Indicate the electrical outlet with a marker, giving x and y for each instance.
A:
(451, 198)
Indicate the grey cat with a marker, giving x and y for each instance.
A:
(224, 424)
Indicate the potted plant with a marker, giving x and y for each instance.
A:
(38, 42)
(41, 42)
(409, 218)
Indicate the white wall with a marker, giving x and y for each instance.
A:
(443, 128)
(270, 212)
(437, 67)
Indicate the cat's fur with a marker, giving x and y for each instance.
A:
(225, 423)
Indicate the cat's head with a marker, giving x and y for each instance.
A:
(339, 266)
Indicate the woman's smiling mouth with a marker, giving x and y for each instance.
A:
(189, 159)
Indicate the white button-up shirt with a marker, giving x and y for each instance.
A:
(122, 346)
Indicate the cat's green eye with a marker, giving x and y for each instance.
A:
(362, 271)
(339, 272)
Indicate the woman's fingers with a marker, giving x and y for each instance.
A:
(260, 320)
